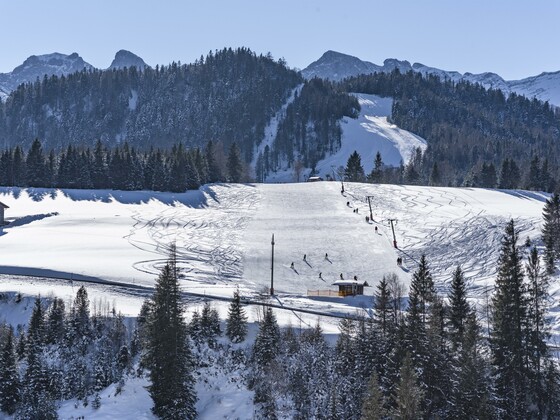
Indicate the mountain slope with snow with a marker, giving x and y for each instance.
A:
(337, 66)
(57, 64)
(223, 236)
(38, 66)
(368, 134)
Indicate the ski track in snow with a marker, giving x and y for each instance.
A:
(207, 239)
(223, 235)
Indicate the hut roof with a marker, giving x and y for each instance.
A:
(3, 205)
(350, 283)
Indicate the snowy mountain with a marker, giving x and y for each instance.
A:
(337, 66)
(125, 58)
(58, 64)
(545, 86)
(37, 66)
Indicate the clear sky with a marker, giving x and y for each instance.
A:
(513, 38)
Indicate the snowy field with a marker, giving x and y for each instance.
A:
(223, 235)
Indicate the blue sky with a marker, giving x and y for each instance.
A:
(513, 38)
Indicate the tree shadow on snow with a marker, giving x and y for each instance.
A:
(527, 195)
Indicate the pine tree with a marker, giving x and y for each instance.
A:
(80, 323)
(471, 388)
(9, 378)
(36, 330)
(55, 326)
(435, 175)
(508, 332)
(35, 166)
(551, 230)
(236, 323)
(459, 307)
(376, 175)
(354, 171)
(373, 405)
(538, 332)
(209, 323)
(169, 357)
(234, 164)
(409, 395)
(214, 173)
(267, 342)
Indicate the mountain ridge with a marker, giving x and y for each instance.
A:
(57, 64)
(336, 66)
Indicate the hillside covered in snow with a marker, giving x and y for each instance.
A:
(223, 235)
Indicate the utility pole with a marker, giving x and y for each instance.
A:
(393, 229)
(369, 197)
(272, 269)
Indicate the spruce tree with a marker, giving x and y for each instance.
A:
(236, 323)
(538, 334)
(234, 164)
(169, 357)
(409, 395)
(508, 333)
(471, 386)
(376, 175)
(373, 405)
(267, 342)
(9, 377)
(35, 166)
(551, 230)
(459, 308)
(354, 171)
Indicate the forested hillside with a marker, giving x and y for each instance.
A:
(228, 96)
(476, 137)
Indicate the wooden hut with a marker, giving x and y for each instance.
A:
(350, 287)
(2, 207)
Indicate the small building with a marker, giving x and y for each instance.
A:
(2, 207)
(314, 179)
(350, 287)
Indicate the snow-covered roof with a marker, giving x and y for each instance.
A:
(350, 283)
(3, 205)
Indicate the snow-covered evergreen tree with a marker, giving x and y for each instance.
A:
(169, 357)
(9, 377)
(236, 323)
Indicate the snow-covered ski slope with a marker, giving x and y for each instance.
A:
(369, 133)
(223, 235)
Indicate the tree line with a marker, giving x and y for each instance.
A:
(536, 177)
(473, 133)
(122, 168)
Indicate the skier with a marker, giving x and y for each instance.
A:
(304, 257)
(375, 229)
(367, 219)
(348, 203)
(326, 256)
(321, 275)
(356, 278)
(292, 265)
(341, 278)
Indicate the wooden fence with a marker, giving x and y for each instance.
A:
(331, 293)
